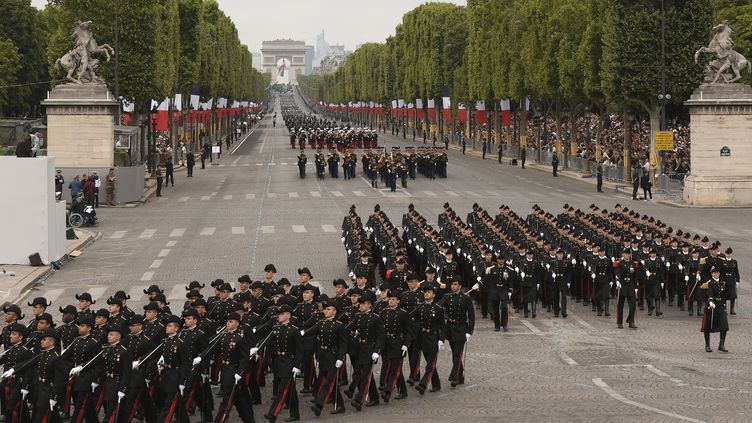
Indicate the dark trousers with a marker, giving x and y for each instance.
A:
(84, 405)
(199, 396)
(173, 408)
(620, 308)
(366, 383)
(159, 186)
(599, 178)
(523, 162)
(301, 169)
(560, 302)
(413, 355)
(458, 362)
(309, 369)
(137, 399)
(484, 153)
(241, 401)
(500, 312)
(647, 192)
(635, 188)
(45, 415)
(556, 168)
(484, 304)
(285, 394)
(169, 178)
(431, 373)
(329, 389)
(203, 162)
(190, 170)
(394, 377)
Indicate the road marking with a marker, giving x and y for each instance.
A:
(272, 164)
(98, 291)
(177, 232)
(337, 194)
(298, 228)
(267, 229)
(147, 276)
(451, 193)
(661, 373)
(474, 194)
(156, 263)
(581, 321)
(429, 193)
(293, 194)
(259, 164)
(271, 195)
(118, 234)
(238, 230)
(147, 233)
(137, 291)
(205, 198)
(171, 243)
(315, 194)
(208, 231)
(250, 196)
(328, 228)
(213, 194)
(227, 197)
(184, 199)
(530, 326)
(359, 193)
(615, 395)
(53, 294)
(567, 359)
(246, 164)
(177, 292)
(283, 164)
(163, 252)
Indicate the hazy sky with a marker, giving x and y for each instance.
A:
(348, 22)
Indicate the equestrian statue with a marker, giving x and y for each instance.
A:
(79, 61)
(721, 46)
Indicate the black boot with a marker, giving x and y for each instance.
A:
(707, 342)
(733, 304)
(722, 344)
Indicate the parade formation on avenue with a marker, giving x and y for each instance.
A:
(494, 211)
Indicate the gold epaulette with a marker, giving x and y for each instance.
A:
(703, 260)
(705, 285)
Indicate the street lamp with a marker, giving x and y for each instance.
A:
(152, 139)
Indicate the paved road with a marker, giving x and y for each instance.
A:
(251, 208)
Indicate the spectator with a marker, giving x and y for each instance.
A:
(646, 185)
(635, 180)
(158, 174)
(59, 182)
(75, 187)
(109, 184)
(599, 176)
(555, 163)
(190, 160)
(23, 148)
(170, 176)
(97, 185)
(88, 189)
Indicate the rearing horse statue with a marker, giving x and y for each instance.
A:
(725, 56)
(79, 61)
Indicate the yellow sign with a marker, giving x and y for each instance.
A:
(664, 140)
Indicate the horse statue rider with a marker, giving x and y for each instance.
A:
(79, 61)
(725, 57)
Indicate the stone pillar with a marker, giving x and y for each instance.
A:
(721, 153)
(81, 125)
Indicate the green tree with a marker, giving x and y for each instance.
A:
(10, 60)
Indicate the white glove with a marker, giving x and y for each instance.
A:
(135, 364)
(404, 349)
(618, 285)
(662, 286)
(338, 364)
(613, 259)
(295, 372)
(94, 386)
(686, 277)
(548, 266)
(476, 286)
(8, 373)
(302, 333)
(197, 361)
(161, 362)
(375, 357)
(516, 269)
(488, 270)
(182, 388)
(342, 239)
(467, 337)
(53, 403)
(574, 261)
(147, 382)
(351, 274)
(477, 279)
(349, 251)
(537, 286)
(636, 291)
(24, 392)
(737, 284)
(383, 259)
(378, 292)
(505, 274)
(76, 370)
(592, 275)
(522, 274)
(610, 284)
(509, 294)
(698, 277)
(255, 351)
(568, 286)
(237, 378)
(458, 250)
(441, 345)
(121, 395)
(553, 275)
(680, 267)
(254, 330)
(647, 273)
(438, 279)
(642, 262)
(711, 304)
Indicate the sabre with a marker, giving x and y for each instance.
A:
(712, 315)
(90, 361)
(151, 353)
(692, 290)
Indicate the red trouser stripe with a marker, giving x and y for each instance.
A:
(168, 418)
(385, 376)
(322, 383)
(367, 386)
(100, 399)
(68, 394)
(135, 405)
(433, 368)
(114, 414)
(329, 392)
(459, 367)
(82, 411)
(396, 376)
(282, 398)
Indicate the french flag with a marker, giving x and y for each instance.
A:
(446, 104)
(480, 112)
(431, 109)
(461, 112)
(162, 112)
(506, 113)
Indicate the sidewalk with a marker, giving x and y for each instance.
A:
(14, 288)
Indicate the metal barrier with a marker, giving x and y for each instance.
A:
(671, 185)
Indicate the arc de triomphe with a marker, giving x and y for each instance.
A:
(284, 60)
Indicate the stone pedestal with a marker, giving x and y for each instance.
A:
(81, 124)
(721, 151)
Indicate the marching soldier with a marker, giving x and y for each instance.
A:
(500, 292)
(234, 350)
(561, 274)
(530, 278)
(117, 364)
(139, 345)
(45, 378)
(175, 366)
(297, 290)
(68, 330)
(302, 160)
(715, 319)
(196, 341)
(116, 317)
(99, 331)
(602, 269)
(409, 301)
(305, 311)
(369, 341)
(653, 269)
(429, 318)
(331, 347)
(14, 406)
(730, 276)
(460, 323)
(38, 307)
(399, 334)
(84, 304)
(626, 288)
(224, 304)
(12, 315)
(125, 311)
(84, 349)
(285, 347)
(693, 277)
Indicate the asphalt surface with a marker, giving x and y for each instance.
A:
(250, 208)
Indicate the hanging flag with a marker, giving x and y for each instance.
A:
(178, 102)
(162, 112)
(461, 112)
(480, 112)
(525, 108)
(431, 109)
(400, 103)
(195, 97)
(446, 104)
(506, 113)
